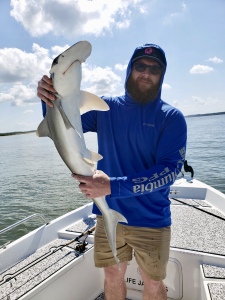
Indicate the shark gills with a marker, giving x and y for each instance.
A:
(62, 124)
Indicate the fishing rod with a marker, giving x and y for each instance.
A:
(80, 247)
(200, 209)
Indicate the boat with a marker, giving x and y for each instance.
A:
(55, 261)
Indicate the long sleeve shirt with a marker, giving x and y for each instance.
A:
(143, 149)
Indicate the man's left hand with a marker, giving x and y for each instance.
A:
(94, 186)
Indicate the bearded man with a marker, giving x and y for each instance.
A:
(143, 141)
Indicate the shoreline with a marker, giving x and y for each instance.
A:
(16, 133)
(204, 115)
(188, 116)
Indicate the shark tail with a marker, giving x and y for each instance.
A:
(115, 217)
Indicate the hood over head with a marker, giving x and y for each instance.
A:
(151, 51)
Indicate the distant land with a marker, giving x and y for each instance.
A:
(188, 116)
(16, 132)
(209, 114)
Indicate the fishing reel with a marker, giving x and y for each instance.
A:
(81, 246)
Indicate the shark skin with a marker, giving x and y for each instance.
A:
(62, 124)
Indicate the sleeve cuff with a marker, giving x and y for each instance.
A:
(115, 184)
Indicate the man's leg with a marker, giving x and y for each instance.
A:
(151, 247)
(114, 285)
(153, 290)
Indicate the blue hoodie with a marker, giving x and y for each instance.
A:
(143, 149)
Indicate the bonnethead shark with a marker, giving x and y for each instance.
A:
(62, 124)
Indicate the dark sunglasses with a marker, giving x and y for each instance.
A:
(141, 67)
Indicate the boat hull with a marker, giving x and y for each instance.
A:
(35, 267)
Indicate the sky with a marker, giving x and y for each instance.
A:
(34, 32)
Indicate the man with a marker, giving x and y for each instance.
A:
(142, 140)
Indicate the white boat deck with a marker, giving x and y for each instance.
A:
(216, 290)
(197, 227)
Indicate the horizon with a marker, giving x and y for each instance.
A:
(186, 116)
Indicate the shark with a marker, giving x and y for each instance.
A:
(62, 123)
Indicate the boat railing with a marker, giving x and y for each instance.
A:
(23, 221)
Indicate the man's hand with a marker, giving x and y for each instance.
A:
(45, 90)
(94, 186)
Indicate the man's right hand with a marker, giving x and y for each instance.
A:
(46, 91)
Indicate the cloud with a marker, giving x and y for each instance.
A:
(19, 95)
(17, 65)
(201, 69)
(120, 67)
(20, 72)
(215, 60)
(72, 17)
(56, 50)
(27, 69)
(101, 81)
(166, 86)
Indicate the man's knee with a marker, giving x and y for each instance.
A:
(113, 272)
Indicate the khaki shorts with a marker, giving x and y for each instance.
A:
(151, 248)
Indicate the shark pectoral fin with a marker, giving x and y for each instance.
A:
(43, 129)
(90, 101)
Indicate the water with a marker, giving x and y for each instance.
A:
(206, 149)
(34, 179)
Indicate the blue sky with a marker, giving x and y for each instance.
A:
(33, 32)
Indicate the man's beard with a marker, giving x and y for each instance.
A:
(140, 96)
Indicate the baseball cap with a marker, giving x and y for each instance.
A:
(152, 52)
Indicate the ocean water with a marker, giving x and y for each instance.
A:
(34, 179)
(206, 149)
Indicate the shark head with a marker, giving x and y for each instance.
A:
(68, 83)
(79, 51)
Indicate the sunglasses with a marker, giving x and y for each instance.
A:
(141, 67)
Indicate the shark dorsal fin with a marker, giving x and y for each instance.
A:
(89, 101)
